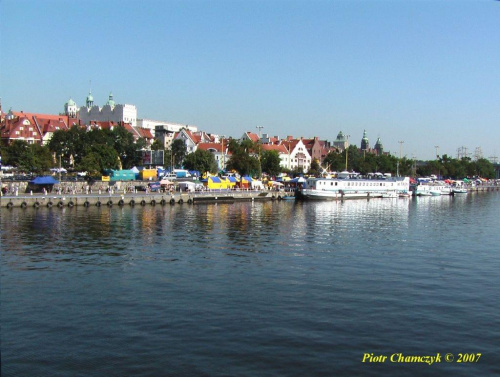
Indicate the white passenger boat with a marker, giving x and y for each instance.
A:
(352, 188)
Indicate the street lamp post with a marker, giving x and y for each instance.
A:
(437, 159)
(223, 157)
(400, 153)
(260, 128)
(346, 150)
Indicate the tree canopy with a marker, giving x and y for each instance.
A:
(202, 161)
(241, 160)
(97, 150)
(28, 157)
(270, 162)
(76, 144)
(179, 151)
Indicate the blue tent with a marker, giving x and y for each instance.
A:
(45, 180)
(40, 183)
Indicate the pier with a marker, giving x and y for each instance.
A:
(135, 199)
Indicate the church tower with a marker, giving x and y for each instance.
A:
(90, 100)
(111, 102)
(379, 147)
(365, 143)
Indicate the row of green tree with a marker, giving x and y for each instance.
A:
(92, 151)
(96, 150)
(444, 166)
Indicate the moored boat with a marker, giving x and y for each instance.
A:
(459, 190)
(390, 194)
(432, 189)
(446, 191)
(352, 188)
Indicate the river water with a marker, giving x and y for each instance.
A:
(253, 289)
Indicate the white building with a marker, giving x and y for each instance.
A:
(298, 156)
(109, 112)
(168, 127)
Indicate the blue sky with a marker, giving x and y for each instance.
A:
(422, 72)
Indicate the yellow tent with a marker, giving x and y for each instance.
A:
(214, 183)
(230, 181)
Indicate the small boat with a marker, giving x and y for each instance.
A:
(390, 194)
(446, 191)
(458, 190)
(436, 188)
(423, 193)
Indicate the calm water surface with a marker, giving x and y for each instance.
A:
(252, 289)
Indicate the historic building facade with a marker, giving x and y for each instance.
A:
(110, 112)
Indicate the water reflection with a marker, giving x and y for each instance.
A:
(100, 235)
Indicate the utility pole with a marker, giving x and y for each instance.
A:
(478, 153)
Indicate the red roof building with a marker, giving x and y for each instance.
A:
(31, 127)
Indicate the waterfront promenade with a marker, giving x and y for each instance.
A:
(70, 194)
(135, 198)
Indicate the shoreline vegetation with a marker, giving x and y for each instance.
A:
(98, 151)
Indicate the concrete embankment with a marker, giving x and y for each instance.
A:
(132, 199)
